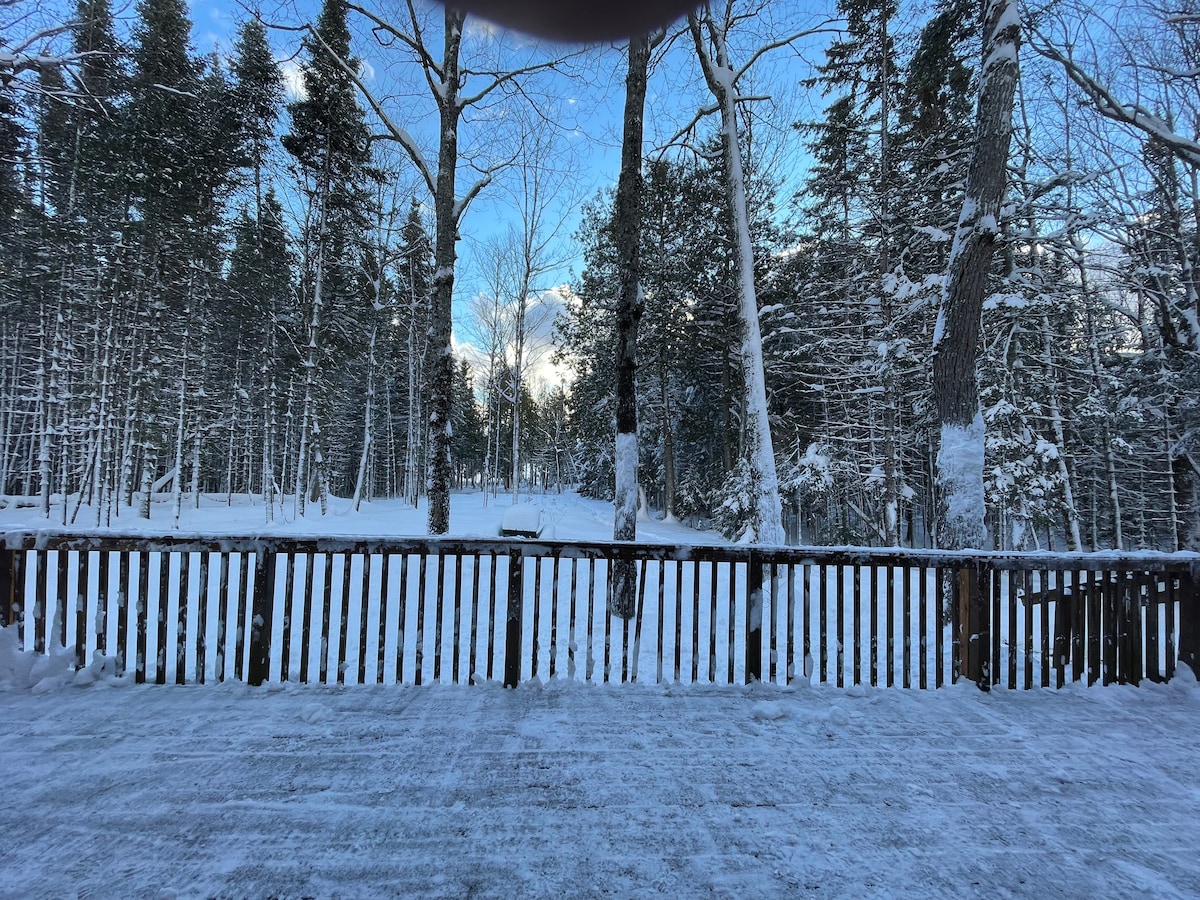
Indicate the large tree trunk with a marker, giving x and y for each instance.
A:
(446, 214)
(956, 337)
(628, 220)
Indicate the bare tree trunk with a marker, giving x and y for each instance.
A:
(956, 337)
(45, 428)
(517, 375)
(1070, 513)
(668, 447)
(622, 599)
(891, 473)
(446, 216)
(268, 444)
(308, 417)
(412, 488)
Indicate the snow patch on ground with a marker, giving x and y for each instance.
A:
(472, 514)
(42, 673)
(768, 710)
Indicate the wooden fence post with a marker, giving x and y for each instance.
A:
(260, 617)
(1189, 620)
(754, 611)
(974, 637)
(515, 617)
(10, 598)
(622, 588)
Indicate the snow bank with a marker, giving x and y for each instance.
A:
(41, 673)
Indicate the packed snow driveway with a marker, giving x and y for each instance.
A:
(582, 791)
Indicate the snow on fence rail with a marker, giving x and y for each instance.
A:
(194, 608)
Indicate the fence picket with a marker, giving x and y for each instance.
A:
(102, 599)
(220, 660)
(82, 629)
(1169, 629)
(183, 594)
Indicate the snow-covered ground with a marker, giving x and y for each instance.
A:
(565, 516)
(573, 790)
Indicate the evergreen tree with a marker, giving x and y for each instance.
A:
(470, 438)
(255, 98)
(328, 141)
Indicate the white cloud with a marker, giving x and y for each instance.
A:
(541, 371)
(293, 79)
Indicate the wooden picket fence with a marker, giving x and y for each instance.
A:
(183, 609)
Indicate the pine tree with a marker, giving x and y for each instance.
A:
(328, 141)
(255, 98)
(166, 194)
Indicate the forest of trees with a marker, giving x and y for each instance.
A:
(211, 284)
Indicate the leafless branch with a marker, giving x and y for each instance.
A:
(395, 132)
(1111, 107)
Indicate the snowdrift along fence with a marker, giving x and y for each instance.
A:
(188, 608)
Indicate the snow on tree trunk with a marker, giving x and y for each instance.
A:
(959, 463)
(45, 428)
(767, 514)
(668, 449)
(960, 479)
(103, 421)
(311, 357)
(891, 473)
(412, 440)
(268, 445)
(622, 599)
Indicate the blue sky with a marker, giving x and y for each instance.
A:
(584, 110)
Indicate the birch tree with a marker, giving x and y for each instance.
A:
(541, 185)
(710, 33)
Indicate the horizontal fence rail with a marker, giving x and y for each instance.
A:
(186, 609)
